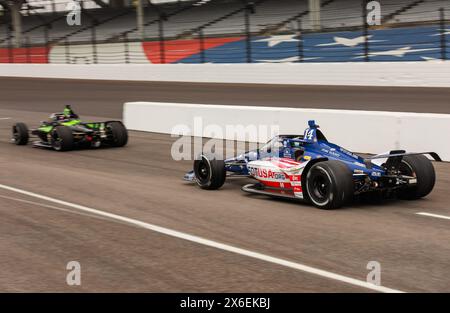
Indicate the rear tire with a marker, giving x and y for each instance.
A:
(20, 134)
(329, 185)
(119, 134)
(62, 139)
(209, 173)
(420, 167)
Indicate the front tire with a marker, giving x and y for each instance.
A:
(62, 138)
(119, 134)
(420, 167)
(20, 134)
(329, 185)
(209, 173)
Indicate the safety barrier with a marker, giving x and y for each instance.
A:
(402, 74)
(259, 31)
(360, 131)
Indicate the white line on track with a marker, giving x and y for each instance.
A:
(5, 118)
(209, 243)
(57, 208)
(433, 215)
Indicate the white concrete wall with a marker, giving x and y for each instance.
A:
(107, 53)
(408, 74)
(359, 131)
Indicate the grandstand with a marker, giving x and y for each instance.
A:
(43, 23)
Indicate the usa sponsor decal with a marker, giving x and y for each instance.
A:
(267, 173)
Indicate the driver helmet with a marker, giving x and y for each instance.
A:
(68, 111)
(57, 117)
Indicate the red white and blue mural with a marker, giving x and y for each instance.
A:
(423, 43)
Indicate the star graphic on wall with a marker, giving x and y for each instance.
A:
(400, 52)
(275, 40)
(288, 60)
(348, 42)
(428, 59)
(446, 32)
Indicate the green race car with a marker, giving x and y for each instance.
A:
(65, 131)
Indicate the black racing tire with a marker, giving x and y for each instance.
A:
(209, 172)
(420, 167)
(20, 134)
(62, 138)
(329, 185)
(119, 134)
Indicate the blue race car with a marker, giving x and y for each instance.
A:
(310, 168)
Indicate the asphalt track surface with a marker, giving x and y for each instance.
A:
(141, 181)
(105, 98)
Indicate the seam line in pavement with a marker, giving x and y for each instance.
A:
(433, 215)
(57, 208)
(210, 243)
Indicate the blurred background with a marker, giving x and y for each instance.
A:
(223, 31)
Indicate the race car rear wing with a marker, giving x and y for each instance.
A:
(397, 153)
(395, 157)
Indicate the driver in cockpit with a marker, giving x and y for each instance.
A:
(67, 114)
